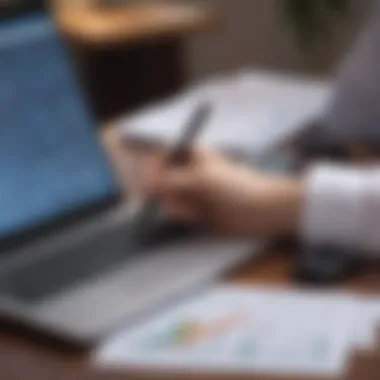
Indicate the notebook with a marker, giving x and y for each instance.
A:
(253, 112)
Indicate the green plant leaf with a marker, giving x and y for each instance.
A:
(307, 18)
(337, 6)
(302, 15)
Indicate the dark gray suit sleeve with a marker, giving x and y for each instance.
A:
(354, 112)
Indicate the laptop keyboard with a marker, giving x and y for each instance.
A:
(68, 268)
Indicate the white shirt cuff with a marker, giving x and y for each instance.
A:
(336, 206)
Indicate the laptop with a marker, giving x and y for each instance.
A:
(68, 266)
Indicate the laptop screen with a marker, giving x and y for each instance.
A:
(51, 162)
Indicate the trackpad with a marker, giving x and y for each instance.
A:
(142, 285)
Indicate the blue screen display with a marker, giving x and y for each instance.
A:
(51, 162)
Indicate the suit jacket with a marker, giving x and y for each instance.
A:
(354, 113)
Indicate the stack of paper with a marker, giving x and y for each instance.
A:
(233, 329)
(253, 111)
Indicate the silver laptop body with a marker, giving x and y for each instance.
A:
(49, 286)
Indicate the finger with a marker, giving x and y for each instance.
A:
(153, 166)
(201, 153)
(178, 182)
(192, 156)
(162, 178)
(154, 162)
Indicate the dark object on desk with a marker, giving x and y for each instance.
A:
(121, 78)
(313, 143)
(325, 265)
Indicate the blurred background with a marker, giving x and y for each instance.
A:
(130, 53)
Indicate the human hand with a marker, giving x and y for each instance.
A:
(225, 196)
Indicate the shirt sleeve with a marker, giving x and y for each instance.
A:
(342, 207)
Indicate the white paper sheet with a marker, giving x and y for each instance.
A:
(367, 324)
(247, 330)
(253, 111)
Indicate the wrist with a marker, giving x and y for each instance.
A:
(288, 201)
(280, 207)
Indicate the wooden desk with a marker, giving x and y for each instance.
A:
(131, 23)
(25, 357)
(132, 54)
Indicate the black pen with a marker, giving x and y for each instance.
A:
(179, 155)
